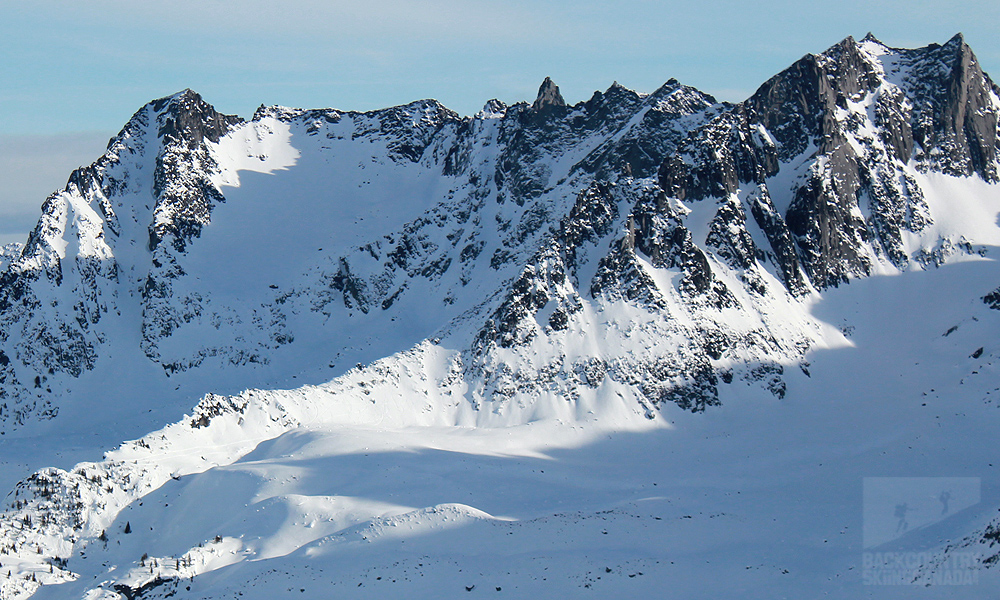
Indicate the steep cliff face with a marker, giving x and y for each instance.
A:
(825, 156)
(106, 247)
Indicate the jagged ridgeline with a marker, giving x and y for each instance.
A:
(651, 247)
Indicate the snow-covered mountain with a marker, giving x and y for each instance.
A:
(348, 346)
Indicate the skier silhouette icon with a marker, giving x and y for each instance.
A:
(900, 513)
(944, 498)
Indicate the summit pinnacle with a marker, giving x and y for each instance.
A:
(548, 95)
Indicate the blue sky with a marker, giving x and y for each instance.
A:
(75, 72)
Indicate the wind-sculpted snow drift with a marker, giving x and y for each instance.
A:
(535, 276)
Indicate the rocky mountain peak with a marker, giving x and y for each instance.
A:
(954, 121)
(493, 108)
(957, 40)
(548, 96)
(803, 98)
(184, 116)
(932, 107)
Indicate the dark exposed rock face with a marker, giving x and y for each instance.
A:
(850, 200)
(548, 96)
(188, 119)
(798, 105)
(954, 122)
(549, 284)
(521, 175)
(657, 134)
(993, 299)
(185, 198)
